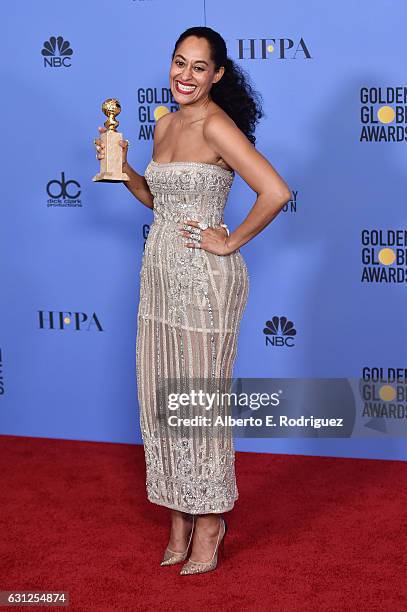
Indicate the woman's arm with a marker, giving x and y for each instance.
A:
(137, 185)
(229, 142)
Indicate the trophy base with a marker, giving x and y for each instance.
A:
(111, 177)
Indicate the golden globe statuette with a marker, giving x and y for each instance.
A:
(112, 163)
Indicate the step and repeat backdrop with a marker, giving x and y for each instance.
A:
(327, 276)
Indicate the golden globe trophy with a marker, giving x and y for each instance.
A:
(112, 163)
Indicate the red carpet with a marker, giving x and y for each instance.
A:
(308, 533)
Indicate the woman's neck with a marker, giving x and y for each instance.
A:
(189, 113)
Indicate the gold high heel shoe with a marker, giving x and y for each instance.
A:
(199, 567)
(171, 557)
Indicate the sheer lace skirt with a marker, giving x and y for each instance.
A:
(189, 316)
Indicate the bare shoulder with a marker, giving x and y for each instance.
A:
(217, 127)
(224, 137)
(218, 120)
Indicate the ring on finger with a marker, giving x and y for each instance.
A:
(191, 230)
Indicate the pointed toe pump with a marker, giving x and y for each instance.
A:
(171, 557)
(200, 567)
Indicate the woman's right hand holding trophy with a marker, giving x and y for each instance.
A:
(111, 151)
(100, 147)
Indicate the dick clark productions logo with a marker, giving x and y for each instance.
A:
(63, 192)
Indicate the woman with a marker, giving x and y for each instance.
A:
(194, 283)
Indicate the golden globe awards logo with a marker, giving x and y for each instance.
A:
(383, 393)
(384, 256)
(153, 103)
(383, 114)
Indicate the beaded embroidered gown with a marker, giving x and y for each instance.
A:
(190, 309)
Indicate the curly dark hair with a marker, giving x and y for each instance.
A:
(233, 92)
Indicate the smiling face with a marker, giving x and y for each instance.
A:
(192, 71)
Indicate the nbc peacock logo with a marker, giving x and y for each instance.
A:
(279, 331)
(57, 52)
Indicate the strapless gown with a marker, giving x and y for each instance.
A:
(189, 314)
